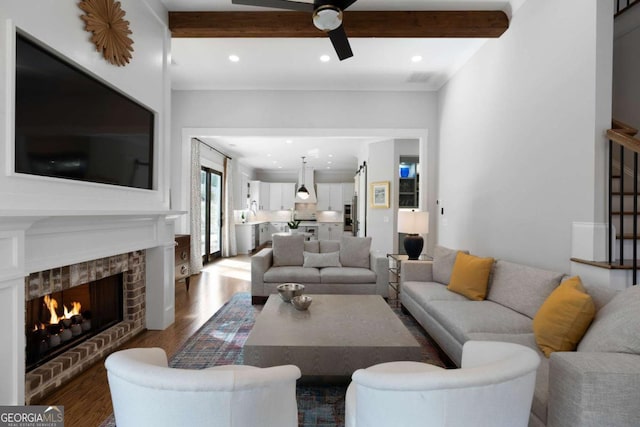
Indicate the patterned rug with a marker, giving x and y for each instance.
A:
(220, 340)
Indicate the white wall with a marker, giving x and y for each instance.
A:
(521, 147)
(199, 113)
(57, 24)
(46, 222)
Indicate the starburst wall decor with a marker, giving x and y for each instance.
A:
(104, 19)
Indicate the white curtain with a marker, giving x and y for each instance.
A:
(229, 229)
(195, 211)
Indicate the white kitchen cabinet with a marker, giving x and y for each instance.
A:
(243, 191)
(246, 238)
(265, 233)
(277, 227)
(348, 190)
(260, 195)
(330, 231)
(329, 197)
(281, 196)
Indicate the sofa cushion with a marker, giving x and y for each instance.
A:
(329, 246)
(564, 317)
(287, 250)
(312, 246)
(329, 259)
(421, 292)
(520, 287)
(292, 274)
(616, 327)
(470, 276)
(443, 260)
(347, 275)
(354, 251)
(461, 318)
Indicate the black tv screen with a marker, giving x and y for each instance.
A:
(70, 125)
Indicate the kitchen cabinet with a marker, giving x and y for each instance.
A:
(242, 195)
(265, 234)
(281, 196)
(348, 190)
(247, 237)
(260, 195)
(330, 230)
(329, 197)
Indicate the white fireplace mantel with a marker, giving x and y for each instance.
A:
(32, 241)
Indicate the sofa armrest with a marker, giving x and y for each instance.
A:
(593, 389)
(416, 271)
(380, 265)
(260, 263)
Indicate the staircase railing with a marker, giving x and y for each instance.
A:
(623, 5)
(621, 137)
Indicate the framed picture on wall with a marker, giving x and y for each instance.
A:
(379, 194)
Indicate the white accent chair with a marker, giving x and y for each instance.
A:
(146, 392)
(493, 388)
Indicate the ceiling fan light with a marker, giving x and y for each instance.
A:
(327, 18)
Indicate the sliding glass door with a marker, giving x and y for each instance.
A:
(211, 211)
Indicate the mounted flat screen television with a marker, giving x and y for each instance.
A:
(70, 125)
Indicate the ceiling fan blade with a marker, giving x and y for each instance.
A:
(340, 43)
(277, 4)
(342, 4)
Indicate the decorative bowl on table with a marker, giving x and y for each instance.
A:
(290, 290)
(301, 302)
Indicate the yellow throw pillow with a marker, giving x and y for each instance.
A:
(470, 276)
(564, 317)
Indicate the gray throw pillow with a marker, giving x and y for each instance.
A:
(443, 260)
(522, 288)
(312, 246)
(354, 251)
(288, 250)
(329, 246)
(329, 259)
(616, 328)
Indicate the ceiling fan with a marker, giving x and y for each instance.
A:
(326, 14)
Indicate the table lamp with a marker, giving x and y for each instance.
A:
(413, 223)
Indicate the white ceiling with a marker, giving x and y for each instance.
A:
(294, 64)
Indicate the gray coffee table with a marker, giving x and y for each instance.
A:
(335, 336)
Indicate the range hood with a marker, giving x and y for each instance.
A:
(309, 183)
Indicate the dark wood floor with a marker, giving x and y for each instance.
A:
(86, 399)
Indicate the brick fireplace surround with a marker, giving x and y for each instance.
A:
(43, 251)
(54, 373)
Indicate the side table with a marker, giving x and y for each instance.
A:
(395, 268)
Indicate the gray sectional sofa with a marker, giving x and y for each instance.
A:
(597, 385)
(345, 266)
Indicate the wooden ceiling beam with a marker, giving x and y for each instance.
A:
(382, 24)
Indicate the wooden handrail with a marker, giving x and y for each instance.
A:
(624, 139)
(623, 127)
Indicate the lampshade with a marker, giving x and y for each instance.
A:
(413, 222)
(303, 193)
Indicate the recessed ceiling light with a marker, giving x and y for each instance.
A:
(275, 161)
(279, 167)
(330, 155)
(328, 167)
(269, 155)
(416, 58)
(288, 141)
(329, 162)
(234, 58)
(325, 58)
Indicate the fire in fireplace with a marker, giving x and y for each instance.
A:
(61, 320)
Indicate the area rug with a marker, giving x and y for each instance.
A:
(220, 340)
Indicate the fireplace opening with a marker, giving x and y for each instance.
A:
(61, 320)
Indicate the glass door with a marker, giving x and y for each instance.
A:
(211, 211)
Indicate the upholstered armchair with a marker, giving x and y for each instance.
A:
(493, 388)
(145, 391)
